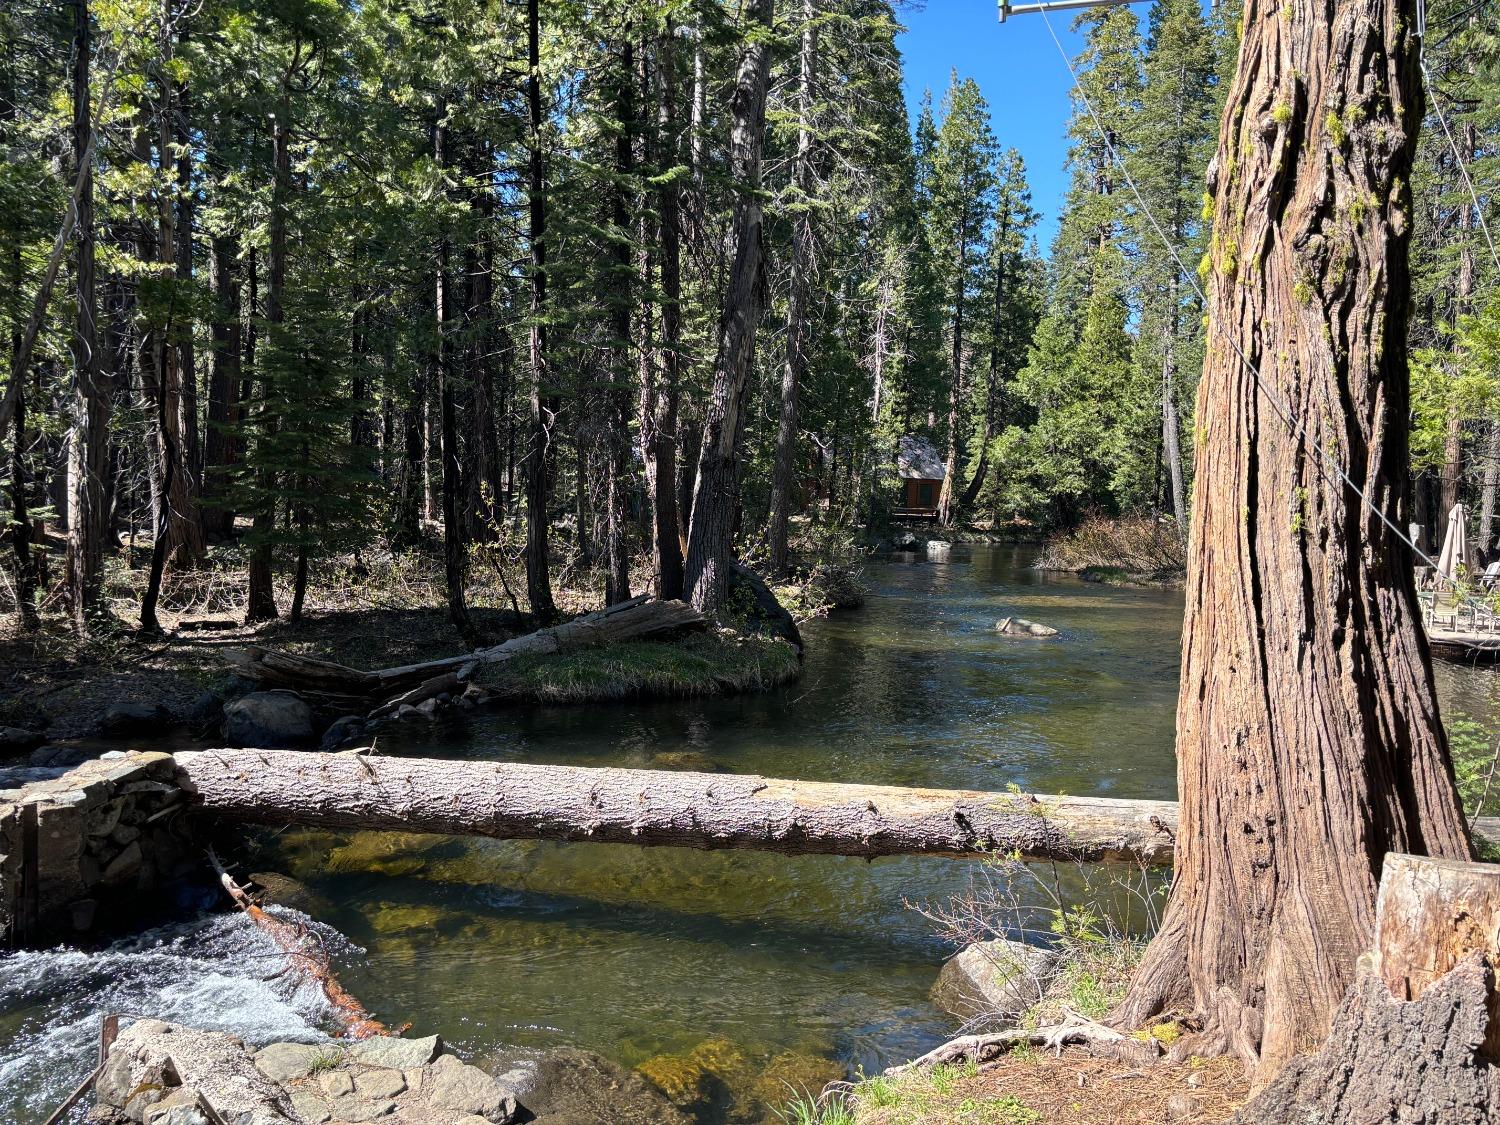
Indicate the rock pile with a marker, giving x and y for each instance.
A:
(166, 1074)
(99, 834)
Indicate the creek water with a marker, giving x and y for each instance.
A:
(757, 966)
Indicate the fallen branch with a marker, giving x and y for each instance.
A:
(985, 1050)
(306, 955)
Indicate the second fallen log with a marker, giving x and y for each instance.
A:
(696, 810)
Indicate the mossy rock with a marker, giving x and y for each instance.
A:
(795, 1075)
(715, 1081)
(379, 853)
(694, 760)
(404, 918)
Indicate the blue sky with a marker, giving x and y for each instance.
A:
(1020, 73)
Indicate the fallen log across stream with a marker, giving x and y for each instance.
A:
(508, 800)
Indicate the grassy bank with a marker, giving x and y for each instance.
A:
(1129, 550)
(721, 662)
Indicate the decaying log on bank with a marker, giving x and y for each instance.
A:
(695, 810)
(638, 619)
(1416, 1038)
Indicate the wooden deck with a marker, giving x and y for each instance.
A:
(1461, 629)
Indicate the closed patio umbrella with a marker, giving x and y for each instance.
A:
(1455, 553)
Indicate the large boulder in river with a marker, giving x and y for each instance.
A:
(1020, 627)
(269, 720)
(994, 982)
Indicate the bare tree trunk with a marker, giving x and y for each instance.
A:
(223, 388)
(192, 445)
(89, 445)
(956, 388)
(541, 400)
(617, 483)
(715, 499)
(262, 596)
(667, 517)
(992, 388)
(1308, 739)
(783, 473)
(1488, 491)
(454, 550)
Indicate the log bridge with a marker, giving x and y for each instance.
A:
(49, 831)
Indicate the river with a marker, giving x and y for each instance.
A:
(643, 954)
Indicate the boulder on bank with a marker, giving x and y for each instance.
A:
(122, 719)
(994, 982)
(749, 594)
(1020, 627)
(269, 720)
(15, 741)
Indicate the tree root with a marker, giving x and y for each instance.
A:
(987, 1050)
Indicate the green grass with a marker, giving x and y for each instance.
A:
(930, 1097)
(720, 663)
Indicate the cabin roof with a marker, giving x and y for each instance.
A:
(918, 459)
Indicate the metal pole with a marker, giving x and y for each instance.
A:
(1008, 10)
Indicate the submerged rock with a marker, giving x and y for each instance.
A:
(1020, 627)
(269, 720)
(994, 981)
(694, 760)
(569, 1086)
(344, 732)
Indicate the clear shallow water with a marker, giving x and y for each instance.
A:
(640, 953)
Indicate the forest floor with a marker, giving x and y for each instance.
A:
(1032, 1087)
(375, 610)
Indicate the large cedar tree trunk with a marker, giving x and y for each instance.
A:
(716, 496)
(1308, 738)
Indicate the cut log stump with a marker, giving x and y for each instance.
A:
(1414, 1041)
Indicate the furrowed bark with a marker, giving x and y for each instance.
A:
(1308, 738)
(1417, 1037)
(716, 496)
(696, 810)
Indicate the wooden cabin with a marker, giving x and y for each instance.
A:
(921, 470)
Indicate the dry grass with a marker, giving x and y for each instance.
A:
(1130, 548)
(1072, 1088)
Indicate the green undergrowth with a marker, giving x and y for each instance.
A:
(721, 662)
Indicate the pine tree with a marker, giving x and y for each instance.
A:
(958, 218)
